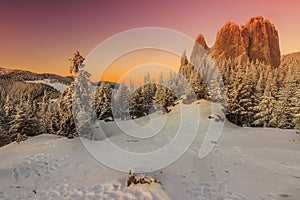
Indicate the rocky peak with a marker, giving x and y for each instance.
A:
(256, 40)
(201, 41)
(261, 38)
(229, 42)
(200, 47)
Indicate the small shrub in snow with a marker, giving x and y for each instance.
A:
(21, 137)
(141, 179)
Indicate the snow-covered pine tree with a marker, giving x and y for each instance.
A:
(131, 86)
(120, 103)
(296, 98)
(265, 109)
(296, 108)
(83, 104)
(283, 114)
(248, 100)
(44, 118)
(148, 92)
(159, 94)
(196, 84)
(8, 107)
(103, 101)
(238, 97)
(215, 84)
(24, 122)
(54, 119)
(136, 104)
(76, 62)
(64, 105)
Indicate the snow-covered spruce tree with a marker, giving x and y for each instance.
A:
(103, 101)
(8, 107)
(120, 103)
(238, 98)
(136, 104)
(287, 102)
(148, 92)
(296, 109)
(259, 88)
(83, 103)
(265, 110)
(159, 97)
(248, 101)
(2, 121)
(54, 118)
(3, 131)
(296, 99)
(76, 62)
(215, 84)
(131, 86)
(166, 91)
(64, 104)
(24, 122)
(43, 114)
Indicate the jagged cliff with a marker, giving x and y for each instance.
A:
(256, 40)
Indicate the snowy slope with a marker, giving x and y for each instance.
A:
(58, 86)
(246, 163)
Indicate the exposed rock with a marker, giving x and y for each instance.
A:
(201, 40)
(262, 41)
(229, 42)
(70, 136)
(200, 48)
(256, 40)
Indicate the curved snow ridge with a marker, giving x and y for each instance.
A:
(56, 85)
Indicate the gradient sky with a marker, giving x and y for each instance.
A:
(41, 35)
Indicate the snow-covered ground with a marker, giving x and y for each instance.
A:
(246, 163)
(58, 86)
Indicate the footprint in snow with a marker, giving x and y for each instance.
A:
(214, 190)
(16, 174)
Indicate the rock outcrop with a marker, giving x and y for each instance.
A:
(262, 42)
(256, 40)
(229, 42)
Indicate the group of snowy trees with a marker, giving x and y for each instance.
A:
(253, 94)
(130, 101)
(21, 118)
(258, 95)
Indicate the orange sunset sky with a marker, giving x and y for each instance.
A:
(41, 35)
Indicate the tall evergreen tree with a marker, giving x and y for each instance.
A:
(283, 114)
(24, 123)
(83, 104)
(120, 103)
(103, 101)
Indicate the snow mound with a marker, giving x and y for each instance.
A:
(246, 163)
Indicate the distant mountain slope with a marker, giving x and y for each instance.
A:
(13, 84)
(23, 75)
(291, 59)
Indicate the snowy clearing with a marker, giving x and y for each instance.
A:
(58, 86)
(246, 163)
